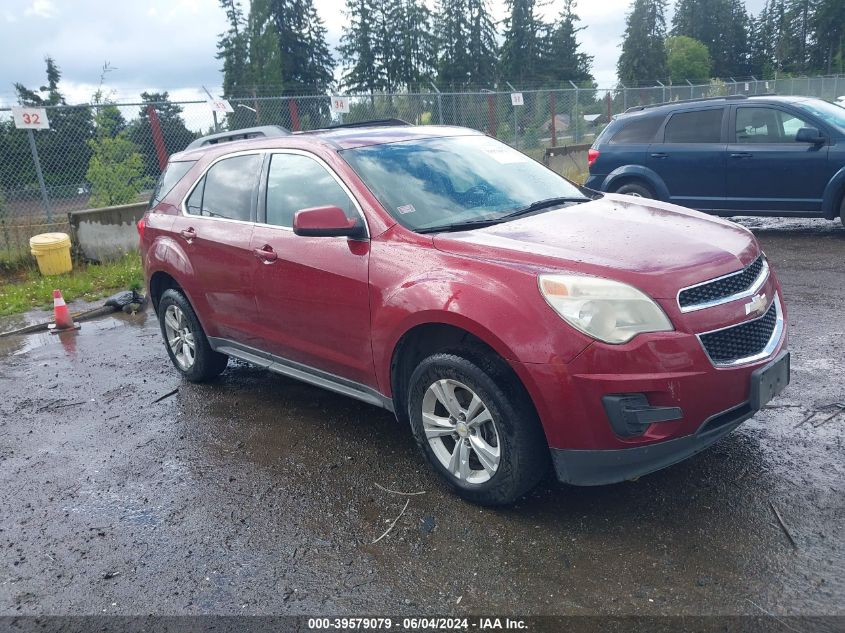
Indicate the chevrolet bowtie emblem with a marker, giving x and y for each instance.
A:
(757, 304)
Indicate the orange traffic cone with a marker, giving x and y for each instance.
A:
(61, 314)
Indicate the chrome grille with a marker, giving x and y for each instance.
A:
(725, 288)
(747, 341)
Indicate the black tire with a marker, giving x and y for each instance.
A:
(636, 189)
(523, 450)
(842, 211)
(207, 363)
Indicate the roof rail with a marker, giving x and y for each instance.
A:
(668, 103)
(373, 123)
(239, 135)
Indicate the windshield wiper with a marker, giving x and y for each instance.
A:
(459, 226)
(542, 204)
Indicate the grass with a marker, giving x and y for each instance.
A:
(27, 289)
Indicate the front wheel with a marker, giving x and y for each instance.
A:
(185, 339)
(842, 211)
(477, 428)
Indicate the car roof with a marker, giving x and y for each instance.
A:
(662, 108)
(339, 138)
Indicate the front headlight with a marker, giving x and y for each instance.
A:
(606, 310)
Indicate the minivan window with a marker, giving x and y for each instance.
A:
(638, 130)
(171, 175)
(827, 112)
(227, 189)
(298, 182)
(703, 126)
(767, 125)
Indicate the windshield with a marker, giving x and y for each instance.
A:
(455, 180)
(829, 113)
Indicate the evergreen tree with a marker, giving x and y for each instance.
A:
(416, 55)
(643, 51)
(263, 50)
(722, 26)
(561, 58)
(305, 62)
(521, 49)
(828, 32)
(482, 51)
(451, 32)
(357, 48)
(233, 49)
(169, 115)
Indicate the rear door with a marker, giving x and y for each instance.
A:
(214, 231)
(312, 292)
(690, 157)
(767, 169)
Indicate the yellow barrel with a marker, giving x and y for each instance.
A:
(52, 250)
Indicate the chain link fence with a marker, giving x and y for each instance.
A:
(545, 118)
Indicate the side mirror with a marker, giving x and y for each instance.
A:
(809, 135)
(326, 222)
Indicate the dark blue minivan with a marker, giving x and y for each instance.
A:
(782, 156)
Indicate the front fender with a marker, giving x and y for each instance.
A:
(832, 198)
(639, 172)
(498, 309)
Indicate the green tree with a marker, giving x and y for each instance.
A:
(687, 59)
(264, 56)
(643, 51)
(169, 115)
(722, 26)
(521, 48)
(305, 62)
(562, 60)
(481, 49)
(827, 23)
(416, 54)
(451, 31)
(357, 48)
(116, 168)
(233, 49)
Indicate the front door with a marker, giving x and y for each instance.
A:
(215, 233)
(691, 158)
(767, 169)
(312, 292)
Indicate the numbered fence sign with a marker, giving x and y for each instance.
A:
(220, 105)
(516, 99)
(30, 118)
(340, 105)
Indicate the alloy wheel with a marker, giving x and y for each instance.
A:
(461, 431)
(180, 338)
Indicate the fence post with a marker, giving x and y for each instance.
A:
(491, 115)
(575, 117)
(439, 103)
(158, 137)
(691, 88)
(624, 97)
(294, 115)
(515, 121)
(40, 175)
(553, 112)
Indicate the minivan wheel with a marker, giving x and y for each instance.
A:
(185, 340)
(477, 428)
(635, 190)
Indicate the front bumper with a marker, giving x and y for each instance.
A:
(598, 467)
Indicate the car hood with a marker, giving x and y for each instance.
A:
(654, 246)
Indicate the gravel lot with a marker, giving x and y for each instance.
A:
(260, 495)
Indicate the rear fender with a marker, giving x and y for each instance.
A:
(832, 198)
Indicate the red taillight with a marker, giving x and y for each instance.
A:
(592, 155)
(141, 226)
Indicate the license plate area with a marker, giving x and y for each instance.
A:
(768, 381)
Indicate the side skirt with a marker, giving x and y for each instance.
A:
(301, 372)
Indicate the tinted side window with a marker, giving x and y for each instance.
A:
(704, 126)
(227, 189)
(298, 182)
(172, 174)
(767, 125)
(639, 130)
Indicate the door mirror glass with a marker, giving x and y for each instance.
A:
(326, 222)
(809, 135)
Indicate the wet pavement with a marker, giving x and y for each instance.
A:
(257, 494)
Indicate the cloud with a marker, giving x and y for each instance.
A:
(41, 9)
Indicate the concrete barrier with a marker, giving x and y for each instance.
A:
(106, 234)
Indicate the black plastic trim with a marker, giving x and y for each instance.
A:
(630, 414)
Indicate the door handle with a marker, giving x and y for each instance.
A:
(266, 254)
(189, 234)
(742, 155)
(660, 155)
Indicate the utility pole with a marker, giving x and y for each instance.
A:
(213, 113)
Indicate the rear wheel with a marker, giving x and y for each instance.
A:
(185, 339)
(477, 428)
(635, 189)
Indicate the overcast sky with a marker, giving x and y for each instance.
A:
(170, 44)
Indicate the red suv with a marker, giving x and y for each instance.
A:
(512, 318)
